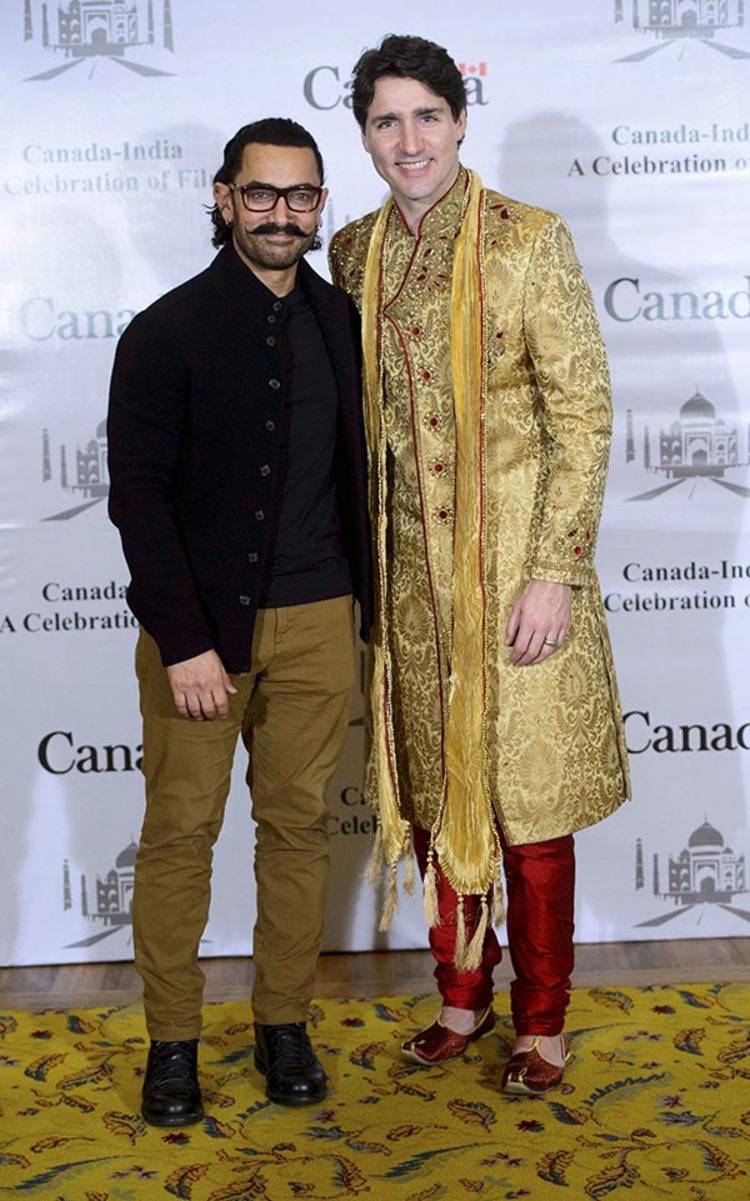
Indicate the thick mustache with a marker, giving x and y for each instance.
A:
(271, 228)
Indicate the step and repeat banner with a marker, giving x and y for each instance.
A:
(630, 118)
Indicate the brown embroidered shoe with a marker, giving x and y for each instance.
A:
(527, 1073)
(437, 1043)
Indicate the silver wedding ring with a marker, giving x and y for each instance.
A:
(549, 642)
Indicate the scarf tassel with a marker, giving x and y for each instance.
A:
(376, 862)
(468, 956)
(410, 878)
(431, 909)
(459, 953)
(390, 905)
(498, 898)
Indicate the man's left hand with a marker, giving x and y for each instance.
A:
(539, 622)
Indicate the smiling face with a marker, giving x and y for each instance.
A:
(412, 137)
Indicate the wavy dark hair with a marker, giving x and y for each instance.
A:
(407, 58)
(270, 131)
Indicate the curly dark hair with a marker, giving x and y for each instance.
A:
(407, 58)
(270, 131)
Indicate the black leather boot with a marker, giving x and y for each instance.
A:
(171, 1094)
(283, 1055)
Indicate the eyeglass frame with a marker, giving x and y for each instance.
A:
(279, 193)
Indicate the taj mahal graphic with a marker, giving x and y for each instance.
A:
(86, 475)
(106, 902)
(672, 20)
(697, 443)
(705, 871)
(110, 902)
(91, 29)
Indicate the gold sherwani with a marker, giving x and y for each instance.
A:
(554, 759)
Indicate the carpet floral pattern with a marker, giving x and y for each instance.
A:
(655, 1104)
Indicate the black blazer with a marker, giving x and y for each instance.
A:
(197, 416)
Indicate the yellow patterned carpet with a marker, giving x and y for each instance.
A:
(656, 1104)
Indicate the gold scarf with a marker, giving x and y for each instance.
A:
(464, 837)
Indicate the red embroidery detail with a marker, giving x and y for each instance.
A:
(443, 514)
(577, 550)
(499, 334)
(504, 214)
(432, 421)
(437, 468)
(422, 275)
(416, 331)
(426, 375)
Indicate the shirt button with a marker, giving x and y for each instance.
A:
(259, 515)
(271, 319)
(270, 426)
(270, 340)
(276, 306)
(274, 383)
(252, 557)
(244, 600)
(265, 470)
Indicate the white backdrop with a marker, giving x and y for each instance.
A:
(115, 115)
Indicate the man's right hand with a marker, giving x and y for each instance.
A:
(200, 687)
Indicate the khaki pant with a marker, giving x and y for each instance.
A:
(291, 709)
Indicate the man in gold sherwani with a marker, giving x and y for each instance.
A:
(496, 728)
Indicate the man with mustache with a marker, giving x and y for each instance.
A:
(237, 464)
(496, 725)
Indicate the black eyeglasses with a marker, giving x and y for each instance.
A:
(262, 198)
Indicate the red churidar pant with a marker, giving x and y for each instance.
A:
(540, 882)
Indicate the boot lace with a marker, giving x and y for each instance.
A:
(171, 1061)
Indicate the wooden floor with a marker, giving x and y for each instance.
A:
(383, 973)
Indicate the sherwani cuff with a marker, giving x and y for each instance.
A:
(578, 577)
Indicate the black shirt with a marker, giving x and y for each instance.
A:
(308, 561)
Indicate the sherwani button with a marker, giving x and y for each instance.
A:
(244, 600)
